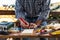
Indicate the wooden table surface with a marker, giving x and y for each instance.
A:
(33, 35)
(19, 35)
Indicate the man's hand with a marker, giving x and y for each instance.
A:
(38, 22)
(33, 25)
(23, 23)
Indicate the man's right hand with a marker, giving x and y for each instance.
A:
(24, 23)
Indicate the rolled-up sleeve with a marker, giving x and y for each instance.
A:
(45, 10)
(19, 10)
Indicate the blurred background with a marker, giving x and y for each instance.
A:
(7, 9)
(9, 4)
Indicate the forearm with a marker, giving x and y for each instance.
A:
(45, 10)
(43, 17)
(38, 22)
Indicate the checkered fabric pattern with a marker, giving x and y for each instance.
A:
(32, 8)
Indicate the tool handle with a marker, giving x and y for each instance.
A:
(24, 21)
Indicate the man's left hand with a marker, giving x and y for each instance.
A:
(33, 25)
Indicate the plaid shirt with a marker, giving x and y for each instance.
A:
(32, 8)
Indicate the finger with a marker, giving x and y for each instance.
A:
(31, 27)
(24, 26)
(31, 24)
(35, 26)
